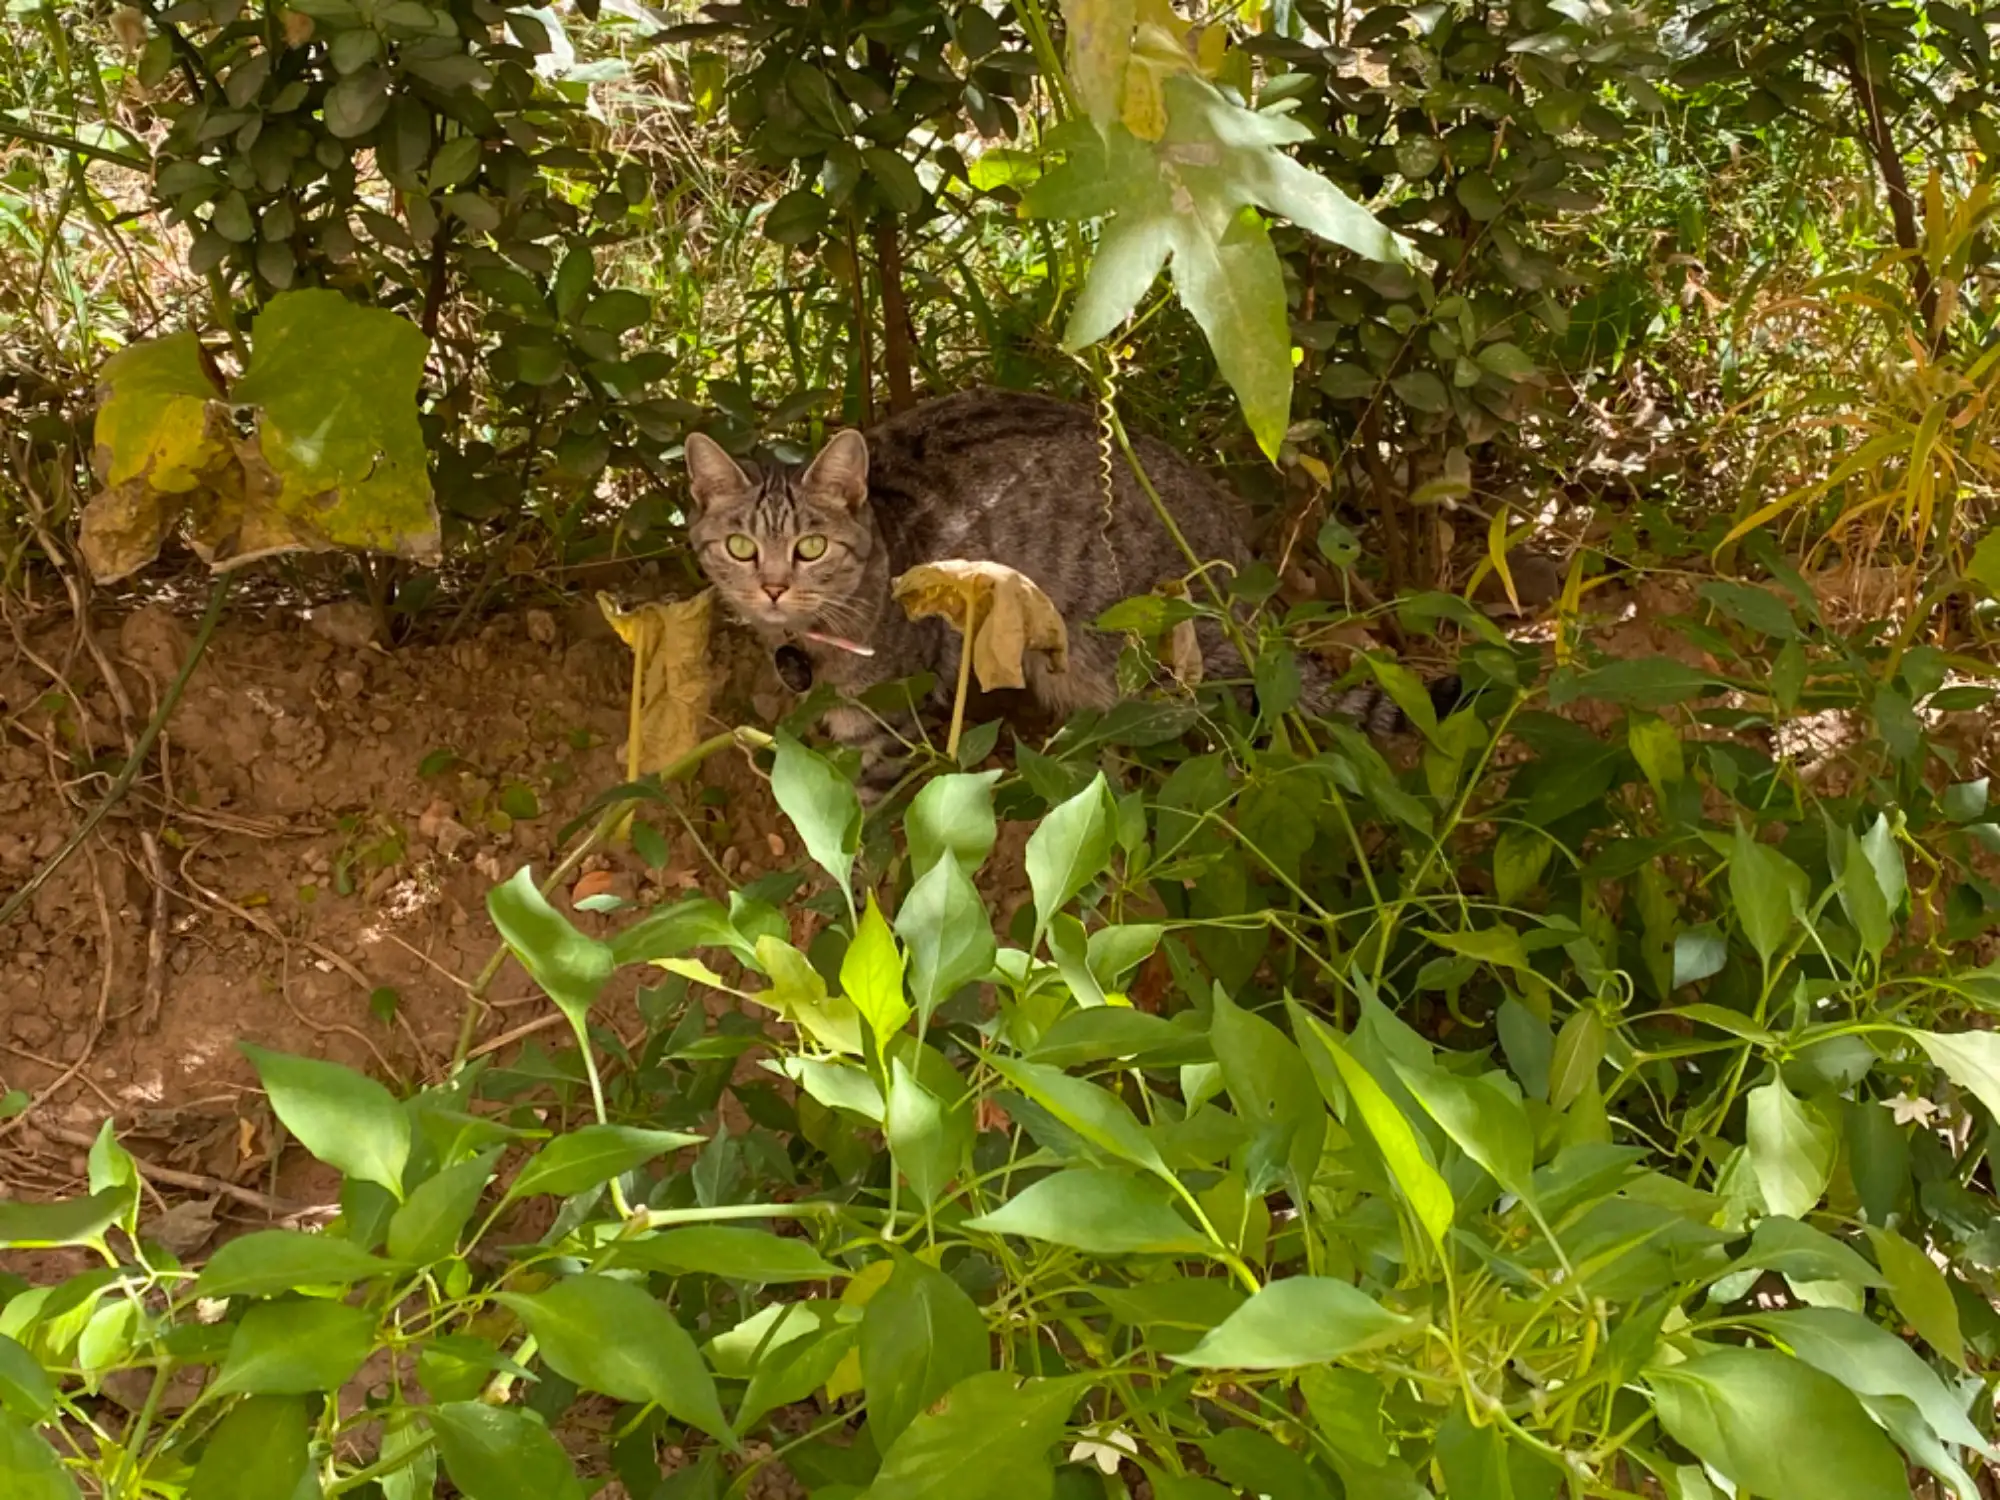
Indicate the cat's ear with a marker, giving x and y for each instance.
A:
(712, 473)
(840, 473)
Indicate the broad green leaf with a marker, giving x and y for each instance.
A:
(1862, 897)
(952, 815)
(1699, 953)
(1302, 1320)
(727, 1250)
(1871, 1361)
(1791, 1150)
(989, 1438)
(1256, 1463)
(1100, 1117)
(1499, 945)
(337, 455)
(920, 1336)
(1402, 1152)
(1273, 1090)
(25, 1388)
(1346, 1407)
(610, 1336)
(796, 217)
(258, 1452)
(1113, 952)
(343, 1118)
(1800, 1252)
(1520, 855)
(947, 934)
(1227, 274)
(426, 1228)
(1097, 1211)
(409, 1459)
(799, 994)
(1579, 1049)
(928, 1136)
(871, 975)
(71, 1221)
(822, 806)
(1885, 857)
(1485, 1462)
(794, 1370)
(295, 1348)
(1482, 1121)
(1921, 1293)
(270, 1262)
(1777, 1427)
(670, 931)
(29, 1468)
(1970, 1059)
(1099, 33)
(572, 968)
(591, 1155)
(1656, 746)
(1069, 849)
(501, 1453)
(1767, 892)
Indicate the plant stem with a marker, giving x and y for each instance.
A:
(134, 762)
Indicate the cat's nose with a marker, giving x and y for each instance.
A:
(776, 591)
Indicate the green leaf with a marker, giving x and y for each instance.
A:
(1274, 1092)
(895, 179)
(335, 385)
(1802, 1253)
(591, 1155)
(944, 927)
(1227, 274)
(1776, 1427)
(920, 1336)
(1100, 1117)
(795, 1369)
(273, 1261)
(1791, 1150)
(1097, 1211)
(572, 968)
(1767, 891)
(1483, 1122)
(1759, 609)
(987, 1439)
(952, 815)
(1921, 1293)
(1302, 1320)
(1520, 855)
(1402, 1152)
(1862, 897)
(425, 1230)
(29, 1468)
(618, 311)
(726, 1250)
(928, 1136)
(25, 1388)
(799, 994)
(1479, 197)
(1422, 391)
(151, 424)
(609, 1336)
(1871, 1361)
(1069, 849)
(346, 1120)
(1970, 1059)
(72, 1221)
(796, 217)
(501, 1453)
(1579, 1049)
(871, 975)
(295, 1348)
(259, 1451)
(1984, 565)
(822, 806)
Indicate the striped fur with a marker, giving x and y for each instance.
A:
(1000, 476)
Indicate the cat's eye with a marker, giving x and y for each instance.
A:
(740, 546)
(811, 547)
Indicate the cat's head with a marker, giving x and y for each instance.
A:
(787, 548)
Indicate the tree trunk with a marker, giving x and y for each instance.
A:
(896, 342)
(1902, 205)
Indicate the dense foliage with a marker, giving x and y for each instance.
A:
(1599, 1103)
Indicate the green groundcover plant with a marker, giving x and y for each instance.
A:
(1595, 1106)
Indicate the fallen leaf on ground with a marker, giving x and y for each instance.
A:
(671, 680)
(1003, 613)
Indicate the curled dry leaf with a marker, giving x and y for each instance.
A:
(1003, 615)
(670, 677)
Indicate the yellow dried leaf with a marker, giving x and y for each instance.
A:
(1003, 615)
(671, 680)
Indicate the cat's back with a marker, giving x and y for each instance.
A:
(1018, 478)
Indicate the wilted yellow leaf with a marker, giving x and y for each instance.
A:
(1002, 614)
(671, 680)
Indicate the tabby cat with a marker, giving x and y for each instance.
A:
(805, 556)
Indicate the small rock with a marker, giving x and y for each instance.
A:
(348, 682)
(775, 842)
(541, 627)
(347, 622)
(380, 724)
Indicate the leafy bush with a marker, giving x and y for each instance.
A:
(1594, 1117)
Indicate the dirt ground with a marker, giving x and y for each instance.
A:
(330, 820)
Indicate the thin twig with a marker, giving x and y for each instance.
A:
(133, 764)
(156, 936)
(196, 1182)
